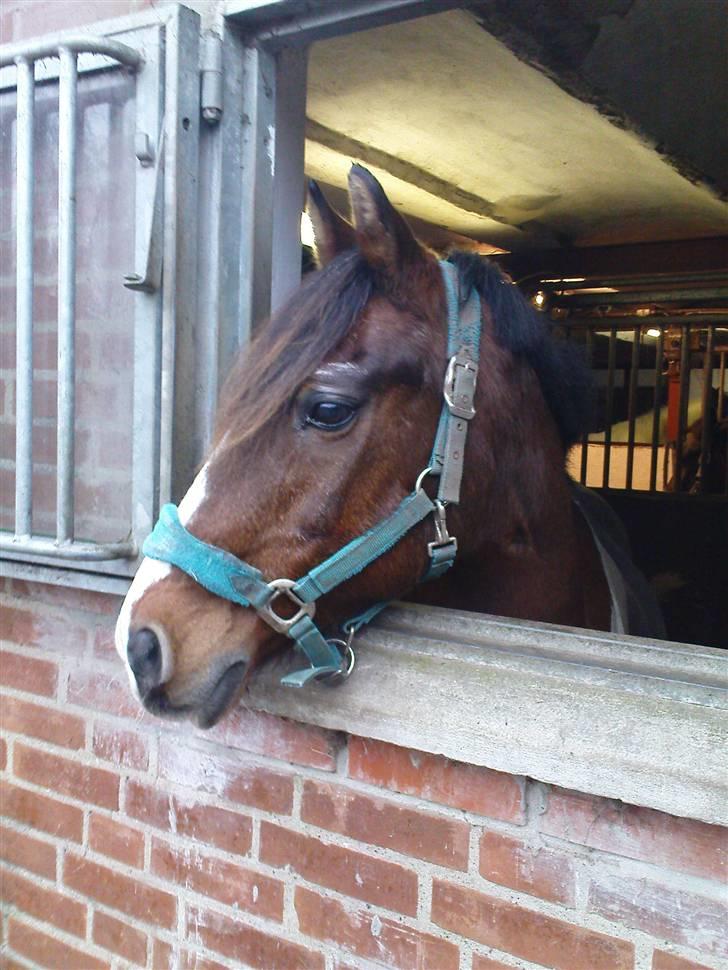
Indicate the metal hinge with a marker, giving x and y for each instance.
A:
(211, 78)
(149, 279)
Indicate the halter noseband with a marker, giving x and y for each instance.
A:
(233, 579)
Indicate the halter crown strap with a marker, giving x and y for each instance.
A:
(225, 575)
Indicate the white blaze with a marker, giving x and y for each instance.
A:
(151, 571)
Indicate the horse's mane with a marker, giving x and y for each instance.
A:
(290, 347)
(565, 378)
(301, 334)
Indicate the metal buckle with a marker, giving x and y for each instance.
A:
(443, 536)
(348, 661)
(459, 387)
(284, 587)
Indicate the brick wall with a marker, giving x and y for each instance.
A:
(129, 842)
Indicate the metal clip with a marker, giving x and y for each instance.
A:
(150, 279)
(348, 661)
(443, 537)
(281, 624)
(459, 389)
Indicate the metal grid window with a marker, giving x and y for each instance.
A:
(86, 166)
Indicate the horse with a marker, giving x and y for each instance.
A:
(323, 447)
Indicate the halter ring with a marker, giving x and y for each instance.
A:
(282, 624)
(422, 476)
(348, 661)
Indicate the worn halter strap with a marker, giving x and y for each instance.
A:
(233, 579)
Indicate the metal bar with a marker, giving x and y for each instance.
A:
(708, 422)
(24, 309)
(610, 406)
(67, 115)
(647, 296)
(93, 551)
(180, 439)
(288, 197)
(585, 436)
(632, 405)
(296, 23)
(656, 409)
(709, 276)
(682, 406)
(721, 384)
(656, 320)
(76, 44)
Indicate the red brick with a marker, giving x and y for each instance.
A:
(117, 936)
(94, 785)
(117, 891)
(30, 628)
(486, 963)
(275, 737)
(111, 838)
(355, 874)
(104, 692)
(104, 645)
(638, 833)
(437, 779)
(368, 935)
(28, 674)
(67, 597)
(668, 961)
(163, 955)
(382, 822)
(3, 754)
(247, 945)
(225, 881)
(537, 871)
(46, 723)
(45, 951)
(663, 912)
(126, 749)
(23, 850)
(203, 823)
(41, 812)
(524, 933)
(231, 779)
(43, 903)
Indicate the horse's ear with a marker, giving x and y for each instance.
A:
(332, 234)
(383, 236)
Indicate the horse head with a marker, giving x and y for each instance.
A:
(325, 426)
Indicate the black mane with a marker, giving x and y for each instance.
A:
(319, 315)
(566, 380)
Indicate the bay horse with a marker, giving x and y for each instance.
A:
(324, 447)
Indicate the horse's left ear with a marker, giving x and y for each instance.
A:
(383, 236)
(331, 233)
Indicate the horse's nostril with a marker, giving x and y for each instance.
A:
(144, 654)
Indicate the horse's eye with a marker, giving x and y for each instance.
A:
(330, 415)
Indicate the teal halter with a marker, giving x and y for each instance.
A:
(225, 575)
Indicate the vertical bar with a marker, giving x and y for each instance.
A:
(24, 285)
(180, 442)
(67, 114)
(708, 423)
(721, 384)
(683, 405)
(632, 404)
(288, 197)
(612, 360)
(585, 436)
(656, 408)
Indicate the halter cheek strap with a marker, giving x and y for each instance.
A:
(233, 579)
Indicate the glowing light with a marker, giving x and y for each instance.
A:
(567, 279)
(653, 332)
(306, 230)
(539, 299)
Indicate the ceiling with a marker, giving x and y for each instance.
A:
(521, 145)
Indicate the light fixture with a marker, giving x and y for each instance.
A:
(539, 299)
(307, 238)
(653, 332)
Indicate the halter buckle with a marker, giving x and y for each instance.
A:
(459, 388)
(282, 624)
(443, 537)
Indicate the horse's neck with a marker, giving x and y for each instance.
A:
(527, 551)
